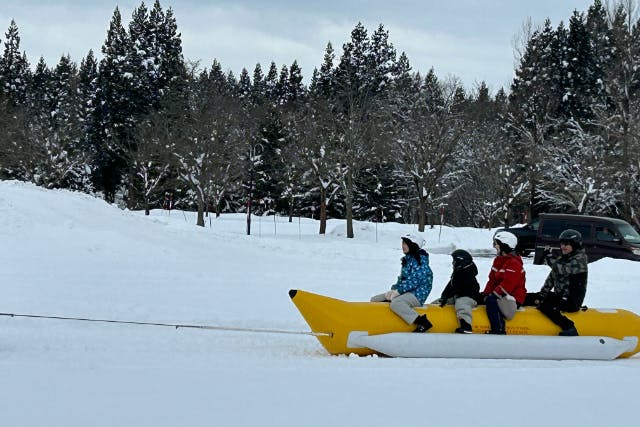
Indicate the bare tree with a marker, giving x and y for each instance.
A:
(428, 140)
(150, 160)
(316, 143)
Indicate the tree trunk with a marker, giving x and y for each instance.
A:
(323, 211)
(349, 218)
(291, 209)
(421, 213)
(200, 220)
(349, 206)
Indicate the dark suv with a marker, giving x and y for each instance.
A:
(526, 236)
(602, 237)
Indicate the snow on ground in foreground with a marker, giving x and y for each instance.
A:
(68, 254)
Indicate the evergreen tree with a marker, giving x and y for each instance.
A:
(115, 115)
(295, 91)
(14, 68)
(171, 73)
(258, 87)
(271, 83)
(325, 80)
(87, 93)
(362, 121)
(580, 77)
(141, 62)
(66, 159)
(40, 90)
(282, 85)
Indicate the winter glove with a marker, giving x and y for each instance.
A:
(539, 299)
(390, 295)
(548, 256)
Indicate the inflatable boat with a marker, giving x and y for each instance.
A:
(366, 328)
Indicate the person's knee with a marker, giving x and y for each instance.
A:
(397, 303)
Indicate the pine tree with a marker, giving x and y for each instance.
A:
(67, 158)
(536, 100)
(87, 93)
(14, 68)
(244, 85)
(258, 88)
(579, 70)
(271, 84)
(326, 82)
(619, 118)
(115, 115)
(295, 90)
(171, 73)
(361, 114)
(40, 90)
(282, 85)
(141, 63)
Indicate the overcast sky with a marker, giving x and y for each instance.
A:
(470, 39)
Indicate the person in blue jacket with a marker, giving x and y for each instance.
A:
(412, 287)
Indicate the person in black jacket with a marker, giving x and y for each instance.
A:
(463, 289)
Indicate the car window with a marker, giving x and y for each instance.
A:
(551, 228)
(583, 228)
(605, 233)
(629, 233)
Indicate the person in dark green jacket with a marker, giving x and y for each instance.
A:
(566, 286)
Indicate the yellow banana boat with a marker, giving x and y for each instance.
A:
(334, 320)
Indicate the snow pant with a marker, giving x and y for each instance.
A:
(464, 306)
(402, 305)
(494, 314)
(553, 305)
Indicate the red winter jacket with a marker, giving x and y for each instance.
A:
(507, 271)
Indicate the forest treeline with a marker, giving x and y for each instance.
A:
(365, 138)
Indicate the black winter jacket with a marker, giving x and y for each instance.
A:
(463, 283)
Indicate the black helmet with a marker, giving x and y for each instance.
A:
(461, 258)
(572, 237)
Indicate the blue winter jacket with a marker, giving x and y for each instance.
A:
(415, 278)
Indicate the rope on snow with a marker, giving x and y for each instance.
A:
(173, 325)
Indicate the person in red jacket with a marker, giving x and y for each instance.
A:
(507, 276)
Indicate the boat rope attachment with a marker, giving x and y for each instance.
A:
(173, 325)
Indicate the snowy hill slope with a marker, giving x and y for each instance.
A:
(68, 254)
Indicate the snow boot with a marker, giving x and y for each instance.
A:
(464, 328)
(423, 323)
(569, 332)
(492, 332)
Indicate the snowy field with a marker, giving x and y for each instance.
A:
(68, 254)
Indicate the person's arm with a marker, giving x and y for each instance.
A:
(511, 275)
(447, 292)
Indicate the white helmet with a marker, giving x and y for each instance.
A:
(506, 238)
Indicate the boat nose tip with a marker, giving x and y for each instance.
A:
(292, 293)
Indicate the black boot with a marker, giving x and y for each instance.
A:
(423, 323)
(464, 328)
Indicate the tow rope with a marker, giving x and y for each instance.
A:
(172, 325)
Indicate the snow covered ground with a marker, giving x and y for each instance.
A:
(68, 254)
